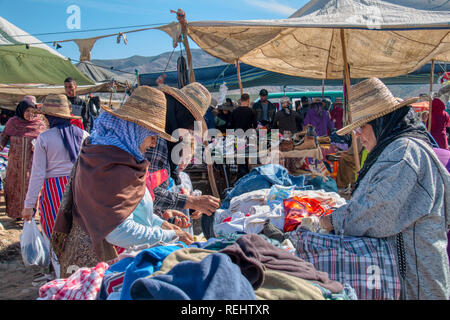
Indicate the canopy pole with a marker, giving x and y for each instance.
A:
(238, 67)
(181, 17)
(347, 93)
(431, 92)
(323, 88)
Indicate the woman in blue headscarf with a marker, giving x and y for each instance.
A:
(107, 204)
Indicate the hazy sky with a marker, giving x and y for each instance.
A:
(44, 16)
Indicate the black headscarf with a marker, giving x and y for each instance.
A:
(22, 107)
(401, 123)
(177, 117)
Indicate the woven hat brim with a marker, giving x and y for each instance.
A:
(352, 126)
(160, 131)
(58, 115)
(185, 100)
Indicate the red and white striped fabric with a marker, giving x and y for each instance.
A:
(49, 201)
(84, 284)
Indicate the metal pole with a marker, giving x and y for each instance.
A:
(347, 91)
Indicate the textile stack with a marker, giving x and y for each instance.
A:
(251, 247)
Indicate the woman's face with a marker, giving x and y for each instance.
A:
(366, 136)
(149, 142)
(29, 114)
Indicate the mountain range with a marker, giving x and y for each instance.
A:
(160, 62)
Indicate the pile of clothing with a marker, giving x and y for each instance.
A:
(245, 268)
(284, 207)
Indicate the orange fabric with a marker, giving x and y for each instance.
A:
(297, 208)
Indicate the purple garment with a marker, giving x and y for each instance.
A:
(444, 156)
(322, 122)
(72, 136)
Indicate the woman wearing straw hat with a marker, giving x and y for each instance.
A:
(402, 192)
(20, 132)
(184, 107)
(55, 152)
(107, 203)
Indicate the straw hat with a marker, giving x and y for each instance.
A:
(57, 105)
(146, 107)
(195, 97)
(369, 100)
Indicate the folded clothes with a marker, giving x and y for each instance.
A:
(280, 286)
(213, 278)
(253, 254)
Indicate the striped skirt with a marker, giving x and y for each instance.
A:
(49, 201)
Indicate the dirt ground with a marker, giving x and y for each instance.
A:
(16, 280)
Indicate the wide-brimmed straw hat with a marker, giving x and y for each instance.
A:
(57, 105)
(146, 107)
(195, 97)
(369, 100)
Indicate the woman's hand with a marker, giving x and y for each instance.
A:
(183, 236)
(27, 214)
(180, 219)
(196, 215)
(325, 223)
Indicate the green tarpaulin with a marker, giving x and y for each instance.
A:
(36, 64)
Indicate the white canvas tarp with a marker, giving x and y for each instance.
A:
(383, 38)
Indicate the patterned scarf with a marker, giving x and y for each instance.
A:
(113, 131)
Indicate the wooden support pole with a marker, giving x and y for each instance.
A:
(239, 76)
(181, 17)
(431, 92)
(347, 92)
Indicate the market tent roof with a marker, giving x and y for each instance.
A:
(37, 64)
(384, 38)
(10, 96)
(98, 74)
(212, 77)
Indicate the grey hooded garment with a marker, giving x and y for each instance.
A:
(407, 191)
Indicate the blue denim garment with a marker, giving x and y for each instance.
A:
(264, 177)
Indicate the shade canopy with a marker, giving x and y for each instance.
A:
(383, 38)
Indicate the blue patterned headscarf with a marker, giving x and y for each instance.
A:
(113, 131)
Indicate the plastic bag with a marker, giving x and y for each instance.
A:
(34, 246)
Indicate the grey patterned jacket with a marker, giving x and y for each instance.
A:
(406, 191)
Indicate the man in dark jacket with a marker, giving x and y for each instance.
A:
(243, 117)
(264, 109)
(286, 119)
